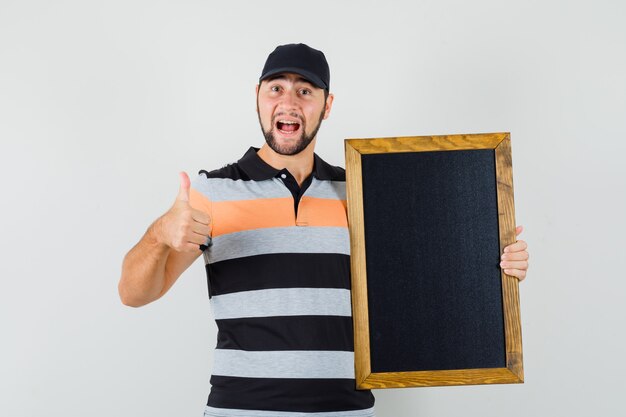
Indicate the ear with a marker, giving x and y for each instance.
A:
(329, 105)
(256, 95)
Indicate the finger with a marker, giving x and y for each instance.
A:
(514, 265)
(518, 246)
(185, 184)
(201, 229)
(518, 230)
(186, 244)
(190, 247)
(515, 256)
(517, 273)
(196, 239)
(200, 216)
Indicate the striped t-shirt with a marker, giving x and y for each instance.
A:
(278, 272)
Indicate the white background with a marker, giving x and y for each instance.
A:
(103, 103)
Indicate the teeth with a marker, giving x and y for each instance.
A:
(287, 122)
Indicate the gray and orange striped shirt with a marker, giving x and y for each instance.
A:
(278, 271)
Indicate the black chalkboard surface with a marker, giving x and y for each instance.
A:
(429, 217)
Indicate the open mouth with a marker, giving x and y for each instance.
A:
(287, 126)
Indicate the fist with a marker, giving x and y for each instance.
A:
(184, 228)
(515, 258)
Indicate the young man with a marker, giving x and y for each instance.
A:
(274, 234)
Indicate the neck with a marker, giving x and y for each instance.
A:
(300, 165)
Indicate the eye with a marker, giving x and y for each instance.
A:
(275, 88)
(305, 91)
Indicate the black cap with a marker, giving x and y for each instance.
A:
(300, 59)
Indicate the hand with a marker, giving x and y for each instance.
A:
(515, 258)
(184, 228)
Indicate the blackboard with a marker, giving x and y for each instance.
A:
(429, 217)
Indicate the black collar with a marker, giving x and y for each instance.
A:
(259, 170)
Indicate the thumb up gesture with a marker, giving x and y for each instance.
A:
(184, 228)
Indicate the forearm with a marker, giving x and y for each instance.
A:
(166, 250)
(143, 269)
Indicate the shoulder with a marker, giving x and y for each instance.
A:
(337, 173)
(213, 184)
(231, 171)
(326, 171)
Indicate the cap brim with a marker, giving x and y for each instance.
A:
(309, 76)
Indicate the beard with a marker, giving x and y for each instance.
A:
(299, 143)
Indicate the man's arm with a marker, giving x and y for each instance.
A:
(167, 249)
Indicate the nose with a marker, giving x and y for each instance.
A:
(289, 101)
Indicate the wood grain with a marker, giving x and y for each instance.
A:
(427, 143)
(510, 285)
(354, 189)
(439, 378)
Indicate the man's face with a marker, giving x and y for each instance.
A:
(290, 111)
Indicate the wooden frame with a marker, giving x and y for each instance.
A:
(365, 378)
